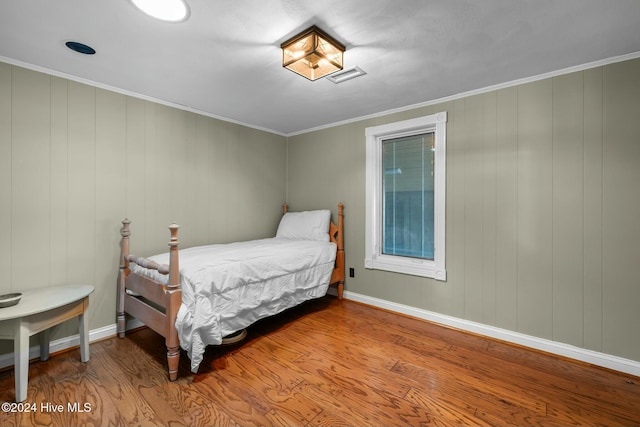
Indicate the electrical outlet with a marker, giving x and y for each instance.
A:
(352, 272)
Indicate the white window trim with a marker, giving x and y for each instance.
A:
(374, 258)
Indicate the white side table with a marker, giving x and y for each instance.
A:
(39, 310)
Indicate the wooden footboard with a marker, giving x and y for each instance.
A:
(154, 304)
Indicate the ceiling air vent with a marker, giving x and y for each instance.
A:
(343, 76)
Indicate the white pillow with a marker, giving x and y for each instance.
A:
(307, 225)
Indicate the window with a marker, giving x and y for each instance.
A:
(406, 196)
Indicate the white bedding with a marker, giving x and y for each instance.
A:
(227, 287)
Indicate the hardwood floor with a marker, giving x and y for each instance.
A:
(326, 363)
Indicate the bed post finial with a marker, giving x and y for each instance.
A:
(125, 227)
(125, 232)
(285, 208)
(174, 269)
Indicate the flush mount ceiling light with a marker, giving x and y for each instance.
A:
(164, 10)
(312, 54)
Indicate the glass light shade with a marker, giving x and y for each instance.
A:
(312, 54)
(164, 10)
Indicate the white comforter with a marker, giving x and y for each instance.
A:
(227, 287)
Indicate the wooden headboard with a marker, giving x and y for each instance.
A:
(336, 235)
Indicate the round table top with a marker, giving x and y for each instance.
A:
(39, 300)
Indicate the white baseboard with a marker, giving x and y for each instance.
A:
(71, 341)
(608, 361)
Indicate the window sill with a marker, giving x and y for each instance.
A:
(411, 266)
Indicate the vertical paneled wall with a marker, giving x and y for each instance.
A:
(543, 234)
(76, 160)
(543, 229)
(621, 207)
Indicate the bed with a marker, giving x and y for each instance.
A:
(197, 296)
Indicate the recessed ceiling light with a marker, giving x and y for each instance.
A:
(164, 10)
(80, 47)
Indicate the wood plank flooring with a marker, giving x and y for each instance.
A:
(325, 363)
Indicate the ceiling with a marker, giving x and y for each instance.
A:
(224, 61)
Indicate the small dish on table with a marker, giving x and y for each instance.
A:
(7, 300)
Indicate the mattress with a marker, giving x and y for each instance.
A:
(227, 287)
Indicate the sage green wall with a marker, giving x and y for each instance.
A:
(75, 160)
(543, 212)
(543, 235)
